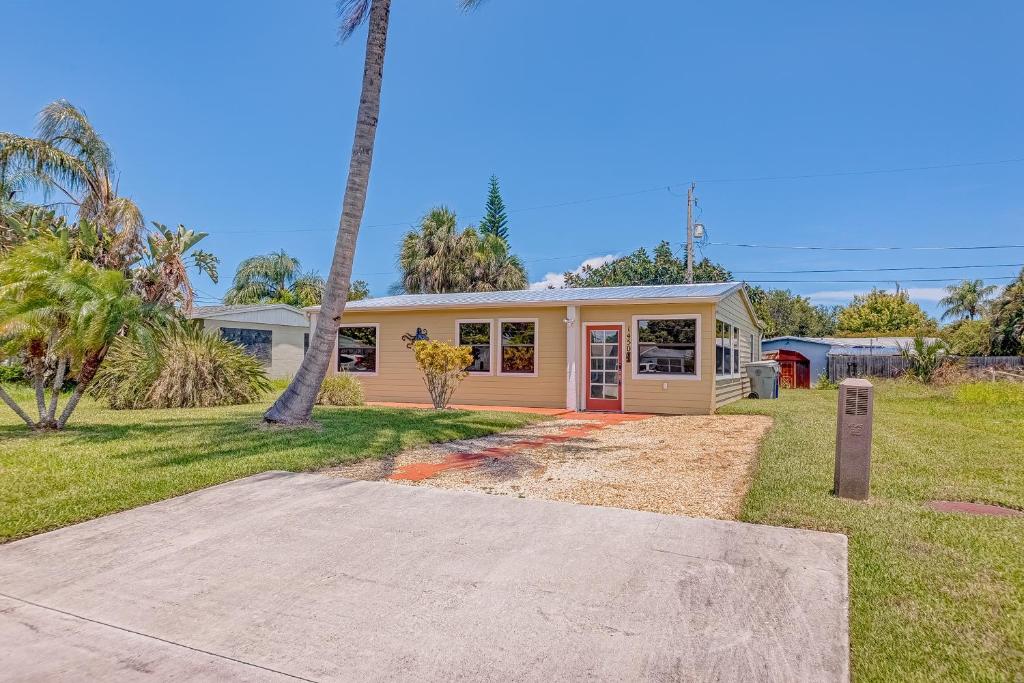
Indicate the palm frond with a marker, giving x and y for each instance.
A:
(351, 15)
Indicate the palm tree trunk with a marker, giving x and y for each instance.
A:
(295, 405)
(58, 383)
(12, 404)
(90, 367)
(37, 384)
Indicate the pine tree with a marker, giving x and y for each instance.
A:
(495, 220)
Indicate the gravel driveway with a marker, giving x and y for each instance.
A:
(698, 466)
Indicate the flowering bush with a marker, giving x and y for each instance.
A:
(443, 366)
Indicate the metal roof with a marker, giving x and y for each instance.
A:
(209, 311)
(540, 297)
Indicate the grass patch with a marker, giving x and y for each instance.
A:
(934, 596)
(991, 393)
(108, 460)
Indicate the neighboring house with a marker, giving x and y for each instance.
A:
(678, 349)
(804, 359)
(273, 333)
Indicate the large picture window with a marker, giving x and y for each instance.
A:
(518, 347)
(727, 349)
(357, 348)
(666, 347)
(476, 334)
(257, 343)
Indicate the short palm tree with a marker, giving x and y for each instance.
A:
(274, 278)
(966, 299)
(70, 157)
(61, 314)
(295, 405)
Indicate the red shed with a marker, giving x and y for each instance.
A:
(795, 368)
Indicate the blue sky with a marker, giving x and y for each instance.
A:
(236, 118)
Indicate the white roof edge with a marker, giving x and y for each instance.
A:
(247, 309)
(556, 303)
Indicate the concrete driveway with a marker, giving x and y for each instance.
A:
(303, 576)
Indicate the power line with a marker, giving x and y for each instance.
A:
(889, 248)
(877, 270)
(876, 281)
(661, 188)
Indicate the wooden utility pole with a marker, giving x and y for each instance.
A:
(689, 234)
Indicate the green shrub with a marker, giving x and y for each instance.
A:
(340, 390)
(12, 374)
(991, 393)
(969, 338)
(825, 383)
(179, 367)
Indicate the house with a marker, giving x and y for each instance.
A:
(276, 334)
(804, 359)
(677, 349)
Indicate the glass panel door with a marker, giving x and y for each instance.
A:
(604, 354)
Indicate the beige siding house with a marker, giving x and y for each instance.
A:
(673, 349)
(273, 333)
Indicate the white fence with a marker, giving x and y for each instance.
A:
(841, 367)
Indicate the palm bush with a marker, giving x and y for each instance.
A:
(924, 358)
(340, 390)
(180, 366)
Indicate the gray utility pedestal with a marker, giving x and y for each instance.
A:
(853, 439)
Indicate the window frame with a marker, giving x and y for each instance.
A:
(337, 349)
(490, 343)
(733, 349)
(501, 348)
(634, 348)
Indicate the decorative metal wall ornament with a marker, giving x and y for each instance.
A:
(410, 339)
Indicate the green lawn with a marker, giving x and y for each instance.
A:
(934, 596)
(114, 460)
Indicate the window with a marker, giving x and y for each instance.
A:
(727, 349)
(257, 343)
(476, 334)
(357, 348)
(518, 347)
(666, 347)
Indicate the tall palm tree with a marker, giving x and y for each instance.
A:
(274, 278)
(295, 405)
(70, 157)
(966, 299)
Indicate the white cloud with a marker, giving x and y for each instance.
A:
(558, 279)
(844, 295)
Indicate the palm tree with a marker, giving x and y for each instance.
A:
(437, 258)
(495, 268)
(295, 405)
(966, 300)
(70, 157)
(274, 278)
(163, 277)
(61, 314)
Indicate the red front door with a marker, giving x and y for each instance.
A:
(604, 360)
